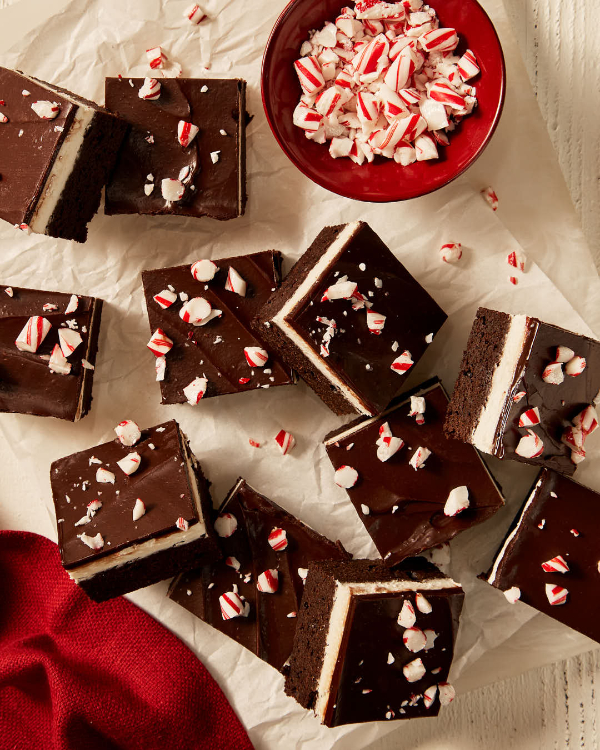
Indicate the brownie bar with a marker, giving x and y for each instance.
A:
(211, 169)
(215, 350)
(122, 527)
(549, 558)
(27, 384)
(405, 509)
(246, 519)
(522, 388)
(351, 320)
(69, 147)
(374, 644)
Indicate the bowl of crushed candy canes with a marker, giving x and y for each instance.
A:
(383, 101)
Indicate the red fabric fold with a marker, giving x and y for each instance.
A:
(75, 674)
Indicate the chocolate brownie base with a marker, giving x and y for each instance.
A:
(480, 359)
(278, 341)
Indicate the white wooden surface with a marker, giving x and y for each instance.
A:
(553, 708)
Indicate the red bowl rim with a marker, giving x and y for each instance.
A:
(416, 192)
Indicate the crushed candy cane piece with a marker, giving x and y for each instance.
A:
(403, 363)
(69, 340)
(586, 420)
(93, 542)
(235, 283)
(467, 66)
(195, 391)
(451, 252)
(104, 476)
(553, 373)
(160, 344)
(156, 57)
(204, 270)
(195, 311)
(256, 356)
(285, 441)
(342, 289)
(58, 363)
(346, 477)
(150, 90)
(530, 446)
(3, 118)
(226, 525)
(9, 291)
(557, 564)
(407, 616)
(233, 562)
(139, 509)
(414, 670)
(575, 366)
(414, 639)
(268, 581)
(375, 322)
(556, 594)
(195, 14)
(513, 594)
(232, 605)
(129, 463)
(387, 444)
(563, 354)
(423, 604)
(530, 417)
(278, 539)
(517, 260)
(46, 110)
(72, 304)
(458, 500)
(447, 693)
(366, 511)
(490, 197)
(429, 696)
(128, 433)
(33, 334)
(186, 132)
(165, 298)
(419, 457)
(182, 524)
(172, 190)
(160, 366)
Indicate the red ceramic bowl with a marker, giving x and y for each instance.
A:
(383, 180)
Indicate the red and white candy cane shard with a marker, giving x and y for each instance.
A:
(458, 500)
(513, 594)
(410, 128)
(423, 604)
(388, 446)
(232, 562)
(574, 532)
(414, 670)
(446, 95)
(104, 476)
(182, 524)
(344, 80)
(69, 340)
(573, 437)
(156, 58)
(414, 639)
(3, 117)
(419, 457)
(587, 420)
(172, 190)
(268, 581)
(447, 693)
(195, 310)
(254, 443)
(405, 155)
(186, 132)
(342, 289)
(563, 354)
(31, 337)
(346, 477)
(401, 70)
(403, 363)
(160, 344)
(530, 417)
(93, 542)
(243, 381)
(530, 446)
(329, 102)
(417, 406)
(410, 97)
(235, 283)
(513, 280)
(575, 366)
(130, 463)
(194, 14)
(490, 197)
(553, 373)
(94, 507)
(128, 432)
(139, 509)
(372, 58)
(367, 109)
(46, 110)
(232, 605)
(558, 564)
(278, 539)
(425, 147)
(439, 40)
(451, 252)
(429, 696)
(375, 322)
(49, 307)
(517, 260)
(226, 525)
(285, 441)
(58, 362)
(256, 356)
(519, 396)
(467, 66)
(378, 9)
(165, 298)
(195, 391)
(309, 74)
(72, 305)
(204, 270)
(556, 594)
(150, 90)
(407, 616)
(307, 118)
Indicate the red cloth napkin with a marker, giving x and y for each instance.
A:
(75, 674)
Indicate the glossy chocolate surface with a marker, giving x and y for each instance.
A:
(28, 144)
(406, 506)
(216, 190)
(557, 404)
(216, 350)
(27, 386)
(161, 482)
(574, 509)
(363, 359)
(267, 631)
(365, 686)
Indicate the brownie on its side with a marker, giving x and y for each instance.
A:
(373, 643)
(405, 504)
(205, 169)
(48, 346)
(56, 152)
(221, 347)
(351, 320)
(133, 511)
(550, 556)
(525, 391)
(255, 535)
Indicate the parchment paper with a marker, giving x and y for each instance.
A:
(92, 39)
